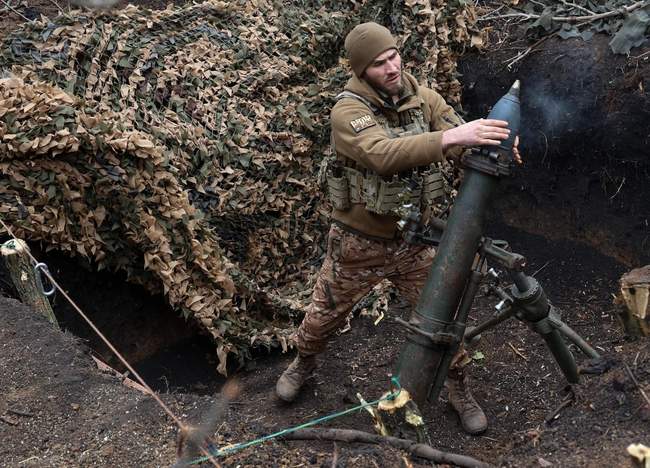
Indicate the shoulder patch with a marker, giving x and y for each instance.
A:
(362, 123)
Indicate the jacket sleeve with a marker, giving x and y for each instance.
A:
(442, 117)
(371, 146)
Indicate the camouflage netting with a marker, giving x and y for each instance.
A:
(182, 145)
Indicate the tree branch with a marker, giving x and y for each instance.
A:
(16, 11)
(419, 450)
(578, 7)
(636, 382)
(574, 19)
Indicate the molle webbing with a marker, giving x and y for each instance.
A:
(348, 183)
(382, 195)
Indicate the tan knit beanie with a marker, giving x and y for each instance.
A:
(365, 42)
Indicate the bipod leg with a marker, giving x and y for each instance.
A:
(490, 323)
(562, 354)
(461, 319)
(576, 339)
(532, 306)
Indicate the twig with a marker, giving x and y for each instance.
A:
(539, 3)
(573, 19)
(542, 267)
(53, 2)
(639, 56)
(517, 352)
(578, 7)
(16, 11)
(19, 413)
(407, 462)
(496, 10)
(9, 420)
(419, 450)
(510, 62)
(619, 189)
(555, 413)
(335, 456)
(636, 382)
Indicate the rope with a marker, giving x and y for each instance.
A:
(176, 419)
(209, 455)
(235, 448)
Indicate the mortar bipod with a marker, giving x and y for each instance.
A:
(526, 301)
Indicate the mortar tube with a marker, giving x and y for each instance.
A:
(443, 290)
(423, 360)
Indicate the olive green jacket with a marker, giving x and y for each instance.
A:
(358, 136)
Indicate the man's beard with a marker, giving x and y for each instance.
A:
(394, 90)
(390, 90)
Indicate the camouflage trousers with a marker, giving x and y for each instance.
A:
(353, 266)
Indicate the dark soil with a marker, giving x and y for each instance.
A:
(585, 134)
(57, 409)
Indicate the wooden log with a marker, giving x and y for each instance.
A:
(635, 296)
(401, 418)
(16, 258)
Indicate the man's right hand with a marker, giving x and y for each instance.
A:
(476, 133)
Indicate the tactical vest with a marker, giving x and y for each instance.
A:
(347, 183)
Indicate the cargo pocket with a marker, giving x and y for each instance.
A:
(354, 248)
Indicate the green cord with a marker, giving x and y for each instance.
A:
(219, 453)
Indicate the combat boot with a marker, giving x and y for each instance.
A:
(471, 415)
(294, 377)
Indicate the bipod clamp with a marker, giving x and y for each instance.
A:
(439, 338)
(446, 340)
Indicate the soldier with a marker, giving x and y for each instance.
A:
(385, 129)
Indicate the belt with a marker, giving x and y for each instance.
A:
(356, 232)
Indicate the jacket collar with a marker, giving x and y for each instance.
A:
(410, 95)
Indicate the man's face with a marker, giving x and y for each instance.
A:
(385, 72)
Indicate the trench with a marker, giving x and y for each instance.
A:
(585, 134)
(166, 350)
(577, 186)
(173, 357)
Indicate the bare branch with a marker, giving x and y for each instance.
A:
(419, 450)
(16, 11)
(510, 62)
(517, 352)
(574, 19)
(636, 382)
(578, 7)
